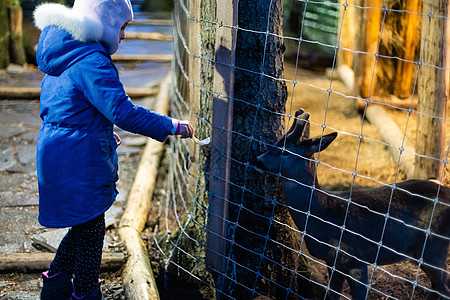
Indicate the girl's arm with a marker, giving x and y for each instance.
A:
(102, 88)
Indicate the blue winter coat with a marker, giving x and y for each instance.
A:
(81, 99)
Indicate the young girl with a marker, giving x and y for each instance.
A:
(81, 99)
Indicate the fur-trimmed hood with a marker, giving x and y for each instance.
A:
(88, 20)
(80, 27)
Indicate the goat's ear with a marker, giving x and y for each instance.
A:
(294, 123)
(305, 134)
(297, 130)
(316, 145)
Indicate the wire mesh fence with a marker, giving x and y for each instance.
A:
(245, 217)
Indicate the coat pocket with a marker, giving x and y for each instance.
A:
(107, 143)
(107, 159)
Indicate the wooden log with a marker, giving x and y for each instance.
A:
(138, 205)
(432, 108)
(32, 93)
(143, 57)
(40, 261)
(393, 136)
(149, 36)
(405, 69)
(157, 22)
(347, 77)
(137, 275)
(19, 92)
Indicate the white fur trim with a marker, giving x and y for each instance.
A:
(80, 27)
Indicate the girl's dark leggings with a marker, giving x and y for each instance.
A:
(80, 253)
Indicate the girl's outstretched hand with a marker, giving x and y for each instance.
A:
(118, 139)
(186, 130)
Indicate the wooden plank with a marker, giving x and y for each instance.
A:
(143, 57)
(33, 93)
(39, 261)
(149, 36)
(157, 22)
(432, 108)
(221, 135)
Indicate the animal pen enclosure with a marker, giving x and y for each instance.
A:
(225, 227)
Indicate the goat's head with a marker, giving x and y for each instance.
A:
(291, 155)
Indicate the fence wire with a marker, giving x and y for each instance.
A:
(359, 158)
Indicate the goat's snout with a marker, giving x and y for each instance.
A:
(260, 165)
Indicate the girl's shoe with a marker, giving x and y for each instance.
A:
(96, 294)
(56, 287)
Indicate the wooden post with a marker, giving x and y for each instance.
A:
(4, 34)
(194, 72)
(372, 24)
(358, 46)
(194, 48)
(221, 135)
(346, 36)
(17, 46)
(432, 107)
(405, 70)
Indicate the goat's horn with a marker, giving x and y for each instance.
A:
(296, 131)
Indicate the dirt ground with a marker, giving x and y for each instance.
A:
(369, 159)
